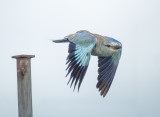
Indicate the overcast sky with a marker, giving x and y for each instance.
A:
(26, 26)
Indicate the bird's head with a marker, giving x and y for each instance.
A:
(110, 46)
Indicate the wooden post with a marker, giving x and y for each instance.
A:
(24, 85)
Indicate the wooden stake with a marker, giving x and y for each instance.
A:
(24, 85)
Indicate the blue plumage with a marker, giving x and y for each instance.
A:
(76, 69)
(82, 45)
(113, 40)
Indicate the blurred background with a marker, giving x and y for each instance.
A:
(27, 26)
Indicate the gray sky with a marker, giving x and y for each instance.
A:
(26, 26)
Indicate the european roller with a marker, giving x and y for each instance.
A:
(82, 45)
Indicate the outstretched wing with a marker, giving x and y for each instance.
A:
(107, 69)
(80, 48)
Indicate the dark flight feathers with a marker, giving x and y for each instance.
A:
(106, 72)
(74, 68)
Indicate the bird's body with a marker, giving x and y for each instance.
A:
(82, 45)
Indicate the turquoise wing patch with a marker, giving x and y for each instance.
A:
(80, 49)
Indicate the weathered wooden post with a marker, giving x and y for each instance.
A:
(24, 85)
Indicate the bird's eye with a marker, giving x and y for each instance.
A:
(108, 45)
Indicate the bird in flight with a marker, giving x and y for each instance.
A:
(82, 45)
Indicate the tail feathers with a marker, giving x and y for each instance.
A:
(61, 40)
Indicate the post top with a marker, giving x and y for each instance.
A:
(23, 56)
